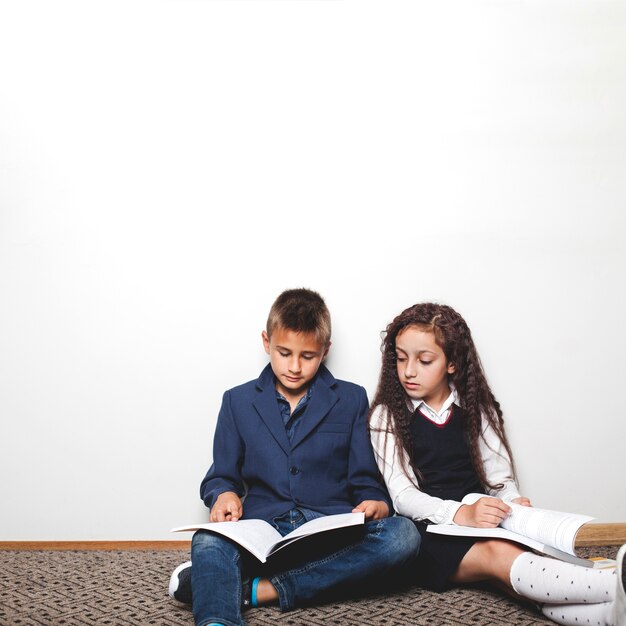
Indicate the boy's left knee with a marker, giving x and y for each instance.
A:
(400, 538)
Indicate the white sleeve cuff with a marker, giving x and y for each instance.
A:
(445, 514)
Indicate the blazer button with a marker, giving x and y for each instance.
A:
(294, 470)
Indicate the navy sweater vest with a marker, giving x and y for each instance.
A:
(441, 453)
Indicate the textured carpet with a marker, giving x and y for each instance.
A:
(118, 588)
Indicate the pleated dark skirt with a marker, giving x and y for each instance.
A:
(439, 558)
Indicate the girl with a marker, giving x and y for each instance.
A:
(438, 434)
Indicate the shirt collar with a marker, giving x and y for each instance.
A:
(453, 398)
(304, 399)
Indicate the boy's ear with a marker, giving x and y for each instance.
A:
(266, 341)
(451, 368)
(330, 343)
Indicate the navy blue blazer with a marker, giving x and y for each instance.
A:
(329, 466)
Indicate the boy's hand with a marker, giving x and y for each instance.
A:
(227, 508)
(521, 500)
(484, 513)
(373, 509)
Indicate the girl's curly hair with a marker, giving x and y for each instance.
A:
(453, 336)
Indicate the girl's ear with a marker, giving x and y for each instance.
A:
(451, 368)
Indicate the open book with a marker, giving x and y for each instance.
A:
(550, 532)
(262, 539)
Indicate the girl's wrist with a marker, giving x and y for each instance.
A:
(459, 516)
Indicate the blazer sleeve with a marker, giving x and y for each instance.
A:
(225, 473)
(364, 478)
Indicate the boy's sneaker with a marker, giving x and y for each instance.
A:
(246, 594)
(180, 583)
(180, 587)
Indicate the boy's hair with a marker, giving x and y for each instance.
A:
(302, 311)
(453, 336)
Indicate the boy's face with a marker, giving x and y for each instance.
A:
(295, 359)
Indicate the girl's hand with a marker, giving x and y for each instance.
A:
(227, 508)
(484, 513)
(521, 500)
(373, 509)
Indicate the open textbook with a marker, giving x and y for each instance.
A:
(262, 539)
(550, 532)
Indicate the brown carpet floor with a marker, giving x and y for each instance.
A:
(130, 588)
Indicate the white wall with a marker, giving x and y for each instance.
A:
(168, 167)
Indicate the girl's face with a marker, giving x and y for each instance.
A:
(422, 366)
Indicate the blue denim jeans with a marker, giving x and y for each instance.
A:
(302, 572)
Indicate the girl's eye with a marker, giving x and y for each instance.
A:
(400, 359)
(425, 362)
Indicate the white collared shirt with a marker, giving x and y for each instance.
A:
(409, 500)
(442, 415)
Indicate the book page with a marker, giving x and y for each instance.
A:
(319, 525)
(262, 539)
(255, 535)
(501, 533)
(471, 531)
(552, 528)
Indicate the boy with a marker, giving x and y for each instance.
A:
(294, 442)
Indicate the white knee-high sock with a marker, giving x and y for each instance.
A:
(596, 614)
(547, 580)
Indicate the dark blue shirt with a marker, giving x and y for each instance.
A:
(299, 515)
(291, 420)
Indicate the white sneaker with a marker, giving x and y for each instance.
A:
(180, 583)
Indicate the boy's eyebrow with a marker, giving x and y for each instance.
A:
(311, 352)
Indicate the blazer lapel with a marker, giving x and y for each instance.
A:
(267, 408)
(322, 401)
